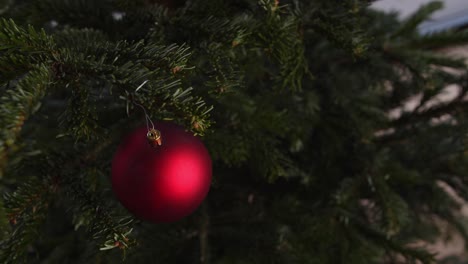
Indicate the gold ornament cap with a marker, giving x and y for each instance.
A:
(154, 137)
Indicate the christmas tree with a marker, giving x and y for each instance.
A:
(292, 99)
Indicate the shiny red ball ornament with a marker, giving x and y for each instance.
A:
(161, 183)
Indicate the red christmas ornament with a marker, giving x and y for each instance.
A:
(161, 183)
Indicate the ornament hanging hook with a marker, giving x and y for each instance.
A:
(147, 117)
(153, 135)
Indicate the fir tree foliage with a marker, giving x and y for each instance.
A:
(292, 99)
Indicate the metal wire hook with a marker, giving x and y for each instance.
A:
(153, 135)
(147, 117)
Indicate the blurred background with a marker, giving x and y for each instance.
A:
(454, 15)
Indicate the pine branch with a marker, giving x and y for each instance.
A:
(348, 35)
(111, 231)
(20, 49)
(14, 38)
(223, 70)
(439, 40)
(428, 58)
(87, 41)
(410, 254)
(394, 210)
(17, 105)
(125, 66)
(281, 37)
(81, 116)
(423, 116)
(89, 210)
(409, 26)
(26, 209)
